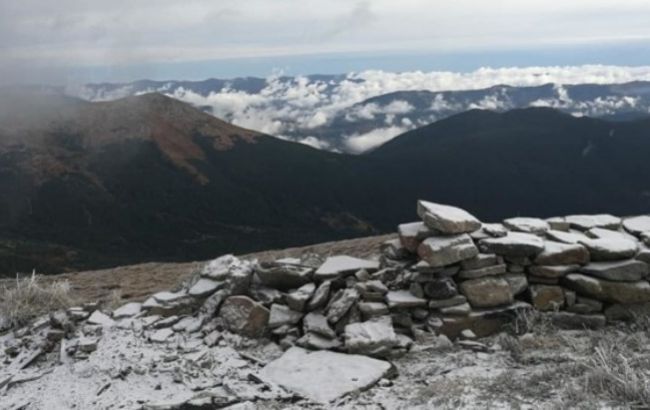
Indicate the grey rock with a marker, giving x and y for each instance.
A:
(317, 323)
(128, 310)
(440, 288)
(481, 272)
(557, 253)
(372, 309)
(626, 271)
(403, 299)
(552, 271)
(457, 310)
(282, 315)
(515, 244)
(340, 303)
(411, 234)
(608, 291)
(568, 320)
(297, 300)
(487, 292)
(373, 337)
(315, 341)
(586, 222)
(610, 249)
(518, 282)
(584, 306)
(446, 250)
(321, 295)
(243, 315)
(323, 376)
(546, 297)
(335, 266)
(284, 277)
(452, 301)
(566, 237)
(637, 224)
(481, 260)
(205, 287)
(558, 223)
(527, 225)
(447, 219)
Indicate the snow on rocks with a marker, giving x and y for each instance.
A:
(128, 310)
(447, 219)
(323, 376)
(446, 250)
(334, 266)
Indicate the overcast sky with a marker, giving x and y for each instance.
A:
(80, 40)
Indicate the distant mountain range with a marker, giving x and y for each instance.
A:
(339, 113)
(151, 178)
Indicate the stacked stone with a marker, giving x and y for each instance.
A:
(446, 275)
(588, 268)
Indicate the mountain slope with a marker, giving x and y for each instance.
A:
(150, 177)
(524, 162)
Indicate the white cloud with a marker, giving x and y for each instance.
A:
(360, 143)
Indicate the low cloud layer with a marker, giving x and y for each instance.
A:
(300, 108)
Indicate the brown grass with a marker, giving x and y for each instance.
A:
(29, 297)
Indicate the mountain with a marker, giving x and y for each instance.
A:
(354, 114)
(151, 178)
(535, 161)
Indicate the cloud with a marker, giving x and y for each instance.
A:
(358, 143)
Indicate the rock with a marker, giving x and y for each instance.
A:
(323, 376)
(243, 315)
(527, 225)
(87, 345)
(374, 337)
(618, 312)
(411, 234)
(403, 299)
(540, 280)
(99, 318)
(320, 297)
(161, 335)
(416, 290)
(601, 233)
(315, 341)
(204, 287)
(445, 250)
(447, 219)
(495, 230)
(610, 249)
(372, 309)
(558, 224)
(284, 277)
(481, 272)
(566, 237)
(552, 271)
(586, 222)
(393, 249)
(545, 297)
(282, 315)
(317, 323)
(169, 297)
(452, 301)
(467, 334)
(220, 268)
(568, 320)
(362, 276)
(213, 302)
(440, 288)
(297, 300)
(584, 306)
(625, 271)
(128, 310)
(487, 292)
(335, 266)
(643, 255)
(481, 260)
(462, 310)
(266, 295)
(340, 303)
(483, 322)
(608, 291)
(637, 224)
(188, 324)
(557, 253)
(515, 244)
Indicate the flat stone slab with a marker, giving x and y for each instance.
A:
(637, 224)
(527, 225)
(624, 271)
(566, 237)
(100, 318)
(608, 249)
(515, 244)
(323, 376)
(586, 222)
(440, 251)
(128, 310)
(340, 264)
(399, 299)
(624, 293)
(558, 253)
(447, 219)
(204, 287)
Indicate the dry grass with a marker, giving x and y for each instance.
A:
(30, 297)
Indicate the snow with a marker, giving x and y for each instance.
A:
(637, 224)
(99, 318)
(204, 286)
(128, 310)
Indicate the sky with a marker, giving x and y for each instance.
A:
(68, 41)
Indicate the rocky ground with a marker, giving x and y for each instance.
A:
(453, 313)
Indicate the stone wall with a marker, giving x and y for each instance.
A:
(446, 276)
